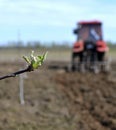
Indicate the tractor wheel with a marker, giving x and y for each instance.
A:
(75, 62)
(106, 65)
(73, 68)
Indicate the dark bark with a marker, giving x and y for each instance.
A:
(28, 69)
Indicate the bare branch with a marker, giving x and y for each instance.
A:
(28, 69)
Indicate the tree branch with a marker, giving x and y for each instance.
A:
(28, 69)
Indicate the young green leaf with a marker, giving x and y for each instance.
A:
(27, 59)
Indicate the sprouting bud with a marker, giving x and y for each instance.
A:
(35, 61)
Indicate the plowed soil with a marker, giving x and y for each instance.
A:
(58, 100)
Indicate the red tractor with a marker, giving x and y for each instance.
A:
(89, 50)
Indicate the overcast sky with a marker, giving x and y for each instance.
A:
(53, 20)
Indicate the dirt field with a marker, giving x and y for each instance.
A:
(58, 100)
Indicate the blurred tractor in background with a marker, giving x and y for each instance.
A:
(89, 50)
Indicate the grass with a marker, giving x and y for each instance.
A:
(13, 54)
(56, 54)
(112, 52)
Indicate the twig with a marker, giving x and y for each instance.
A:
(28, 69)
(33, 61)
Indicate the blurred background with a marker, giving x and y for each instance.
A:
(50, 24)
(54, 99)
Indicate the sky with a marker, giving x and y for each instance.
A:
(53, 20)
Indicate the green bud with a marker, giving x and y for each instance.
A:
(35, 61)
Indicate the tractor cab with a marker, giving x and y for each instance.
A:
(89, 31)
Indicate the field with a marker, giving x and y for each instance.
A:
(55, 99)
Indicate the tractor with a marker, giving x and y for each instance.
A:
(89, 51)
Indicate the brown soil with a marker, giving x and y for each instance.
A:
(57, 100)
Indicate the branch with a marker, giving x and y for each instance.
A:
(33, 63)
(28, 69)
